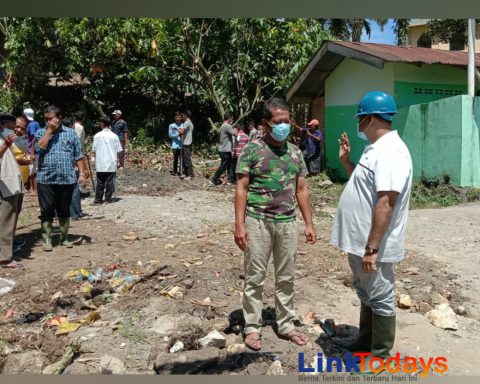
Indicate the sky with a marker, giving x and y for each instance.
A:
(376, 36)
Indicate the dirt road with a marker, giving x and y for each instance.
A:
(187, 226)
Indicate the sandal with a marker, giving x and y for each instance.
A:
(253, 341)
(12, 264)
(296, 337)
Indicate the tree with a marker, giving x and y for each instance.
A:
(237, 63)
(449, 30)
(351, 29)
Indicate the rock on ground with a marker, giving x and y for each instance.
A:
(28, 362)
(213, 339)
(276, 369)
(111, 365)
(443, 317)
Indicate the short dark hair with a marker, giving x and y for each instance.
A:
(187, 113)
(67, 122)
(79, 115)
(251, 123)
(239, 126)
(105, 120)
(274, 103)
(53, 109)
(227, 116)
(178, 113)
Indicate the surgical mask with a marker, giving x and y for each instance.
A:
(361, 135)
(280, 131)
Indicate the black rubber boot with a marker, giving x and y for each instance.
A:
(363, 342)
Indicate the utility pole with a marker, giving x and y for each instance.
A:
(471, 57)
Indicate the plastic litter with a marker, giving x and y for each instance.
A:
(6, 286)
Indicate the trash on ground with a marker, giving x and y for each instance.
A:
(174, 292)
(6, 285)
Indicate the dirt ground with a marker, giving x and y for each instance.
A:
(182, 230)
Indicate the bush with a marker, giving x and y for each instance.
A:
(434, 193)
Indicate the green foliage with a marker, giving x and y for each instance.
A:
(473, 194)
(446, 30)
(9, 98)
(434, 194)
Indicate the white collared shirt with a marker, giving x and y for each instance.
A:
(106, 146)
(385, 165)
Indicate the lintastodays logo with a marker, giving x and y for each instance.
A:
(358, 362)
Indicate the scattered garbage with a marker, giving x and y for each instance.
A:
(174, 292)
(9, 314)
(328, 326)
(170, 246)
(177, 347)
(31, 317)
(6, 285)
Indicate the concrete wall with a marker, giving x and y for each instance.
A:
(410, 85)
(443, 139)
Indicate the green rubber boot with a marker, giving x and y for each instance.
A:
(64, 224)
(47, 227)
(383, 338)
(363, 343)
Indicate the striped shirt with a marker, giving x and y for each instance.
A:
(240, 141)
(56, 163)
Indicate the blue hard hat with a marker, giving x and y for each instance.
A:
(377, 103)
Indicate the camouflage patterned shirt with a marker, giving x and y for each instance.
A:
(273, 179)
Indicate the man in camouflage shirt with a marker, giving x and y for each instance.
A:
(271, 179)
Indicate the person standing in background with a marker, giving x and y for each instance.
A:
(32, 128)
(119, 127)
(174, 134)
(187, 138)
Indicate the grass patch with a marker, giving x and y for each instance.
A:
(473, 194)
(130, 331)
(437, 193)
(434, 194)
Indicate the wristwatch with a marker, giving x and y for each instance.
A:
(370, 250)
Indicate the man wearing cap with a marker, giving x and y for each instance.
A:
(311, 153)
(11, 190)
(370, 222)
(32, 128)
(119, 127)
(58, 150)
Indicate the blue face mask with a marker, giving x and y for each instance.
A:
(361, 135)
(280, 131)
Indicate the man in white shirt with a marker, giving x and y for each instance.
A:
(107, 147)
(370, 223)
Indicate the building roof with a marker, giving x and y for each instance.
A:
(418, 22)
(310, 83)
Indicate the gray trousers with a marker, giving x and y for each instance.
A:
(8, 220)
(374, 289)
(280, 240)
